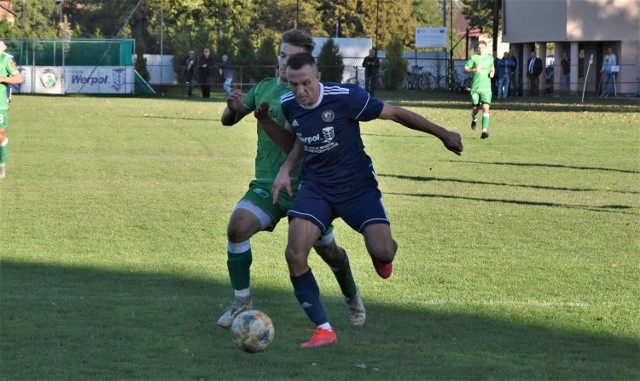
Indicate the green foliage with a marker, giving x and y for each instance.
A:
(245, 58)
(480, 14)
(394, 64)
(141, 64)
(266, 59)
(330, 62)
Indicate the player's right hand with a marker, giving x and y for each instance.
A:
(453, 142)
(282, 180)
(234, 101)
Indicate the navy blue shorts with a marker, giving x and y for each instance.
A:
(361, 209)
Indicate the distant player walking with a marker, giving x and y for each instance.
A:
(481, 65)
(9, 74)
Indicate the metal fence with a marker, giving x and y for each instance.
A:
(162, 72)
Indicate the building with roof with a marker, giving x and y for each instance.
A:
(584, 29)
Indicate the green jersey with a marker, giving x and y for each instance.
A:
(7, 68)
(269, 157)
(481, 81)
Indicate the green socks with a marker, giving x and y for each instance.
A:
(4, 149)
(239, 265)
(485, 122)
(345, 278)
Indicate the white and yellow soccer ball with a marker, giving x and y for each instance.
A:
(252, 331)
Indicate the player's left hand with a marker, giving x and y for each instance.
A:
(262, 111)
(453, 142)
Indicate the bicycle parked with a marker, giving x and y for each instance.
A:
(358, 78)
(460, 83)
(419, 79)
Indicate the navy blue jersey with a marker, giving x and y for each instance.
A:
(334, 159)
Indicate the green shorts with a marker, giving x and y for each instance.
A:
(478, 97)
(259, 195)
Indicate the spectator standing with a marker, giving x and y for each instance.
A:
(608, 72)
(534, 69)
(566, 71)
(189, 70)
(205, 72)
(371, 66)
(513, 81)
(226, 70)
(505, 69)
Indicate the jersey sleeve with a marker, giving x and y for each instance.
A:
(469, 63)
(364, 107)
(10, 65)
(249, 102)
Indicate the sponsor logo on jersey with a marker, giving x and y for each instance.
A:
(329, 133)
(309, 139)
(261, 192)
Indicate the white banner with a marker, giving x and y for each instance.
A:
(102, 80)
(431, 37)
(76, 79)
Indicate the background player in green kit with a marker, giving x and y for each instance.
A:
(481, 65)
(256, 211)
(9, 74)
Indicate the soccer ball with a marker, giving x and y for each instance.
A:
(252, 331)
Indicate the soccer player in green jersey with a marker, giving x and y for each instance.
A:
(256, 212)
(9, 74)
(481, 65)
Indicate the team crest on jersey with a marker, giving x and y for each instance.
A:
(329, 133)
(328, 116)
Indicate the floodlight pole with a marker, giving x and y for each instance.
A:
(377, 22)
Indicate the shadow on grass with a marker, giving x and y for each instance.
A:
(478, 182)
(547, 165)
(83, 324)
(594, 208)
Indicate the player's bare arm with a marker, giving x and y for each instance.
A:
(282, 179)
(470, 70)
(283, 137)
(411, 120)
(14, 79)
(235, 111)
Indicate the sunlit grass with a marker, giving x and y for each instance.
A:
(517, 260)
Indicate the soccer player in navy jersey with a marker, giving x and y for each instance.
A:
(338, 179)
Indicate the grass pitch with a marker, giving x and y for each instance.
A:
(517, 260)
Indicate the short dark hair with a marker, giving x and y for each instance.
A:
(299, 60)
(298, 38)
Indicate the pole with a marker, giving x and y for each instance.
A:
(444, 22)
(161, 41)
(495, 29)
(586, 76)
(297, 13)
(377, 21)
